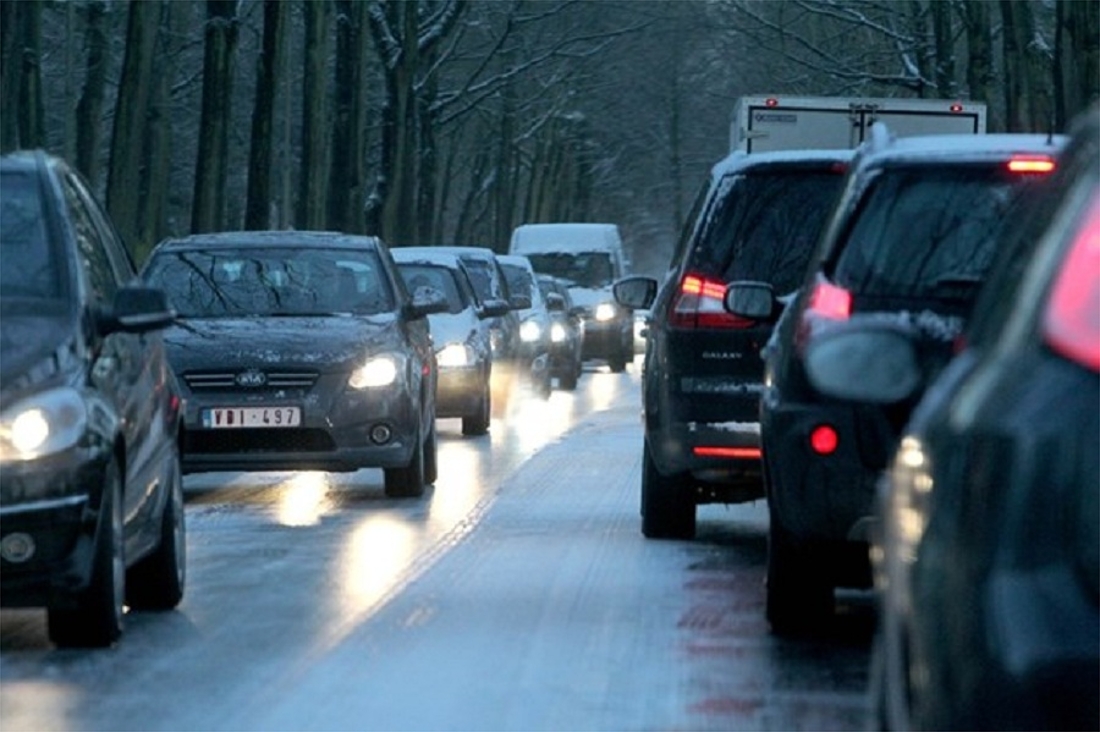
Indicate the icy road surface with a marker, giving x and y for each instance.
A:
(518, 594)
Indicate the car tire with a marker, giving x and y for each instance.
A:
(799, 595)
(94, 617)
(617, 362)
(478, 422)
(408, 481)
(157, 581)
(668, 510)
(568, 379)
(431, 457)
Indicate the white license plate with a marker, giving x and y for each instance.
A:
(238, 417)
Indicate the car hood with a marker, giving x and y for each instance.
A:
(320, 343)
(453, 328)
(28, 346)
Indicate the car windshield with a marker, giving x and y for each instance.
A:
(583, 269)
(30, 265)
(223, 282)
(926, 233)
(441, 278)
(763, 226)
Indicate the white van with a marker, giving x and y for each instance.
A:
(591, 258)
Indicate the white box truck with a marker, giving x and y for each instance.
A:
(763, 123)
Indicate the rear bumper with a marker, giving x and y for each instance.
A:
(722, 457)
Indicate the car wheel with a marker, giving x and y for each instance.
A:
(93, 617)
(478, 422)
(157, 581)
(799, 596)
(668, 509)
(431, 457)
(546, 385)
(568, 380)
(617, 362)
(407, 482)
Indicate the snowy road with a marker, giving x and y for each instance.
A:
(518, 594)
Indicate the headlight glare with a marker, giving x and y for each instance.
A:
(605, 311)
(44, 424)
(454, 355)
(377, 371)
(530, 331)
(557, 333)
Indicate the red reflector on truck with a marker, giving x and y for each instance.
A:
(742, 453)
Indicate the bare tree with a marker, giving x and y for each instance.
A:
(89, 109)
(208, 202)
(347, 187)
(21, 37)
(313, 182)
(258, 206)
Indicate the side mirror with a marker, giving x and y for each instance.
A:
(520, 302)
(138, 310)
(425, 301)
(635, 292)
(749, 299)
(493, 309)
(555, 302)
(875, 363)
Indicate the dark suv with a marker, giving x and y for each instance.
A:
(758, 218)
(909, 242)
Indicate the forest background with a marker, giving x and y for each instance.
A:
(453, 121)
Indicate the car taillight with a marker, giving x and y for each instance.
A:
(1071, 323)
(823, 439)
(698, 304)
(1031, 164)
(830, 301)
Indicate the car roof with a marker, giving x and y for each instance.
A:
(779, 159)
(520, 259)
(483, 252)
(426, 255)
(263, 239)
(883, 149)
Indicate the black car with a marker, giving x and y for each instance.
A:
(987, 538)
(910, 241)
(566, 331)
(758, 219)
(300, 350)
(91, 499)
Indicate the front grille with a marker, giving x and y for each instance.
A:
(227, 380)
(257, 441)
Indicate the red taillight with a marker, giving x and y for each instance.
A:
(1031, 164)
(823, 440)
(699, 304)
(1071, 323)
(830, 301)
(956, 108)
(741, 453)
(771, 102)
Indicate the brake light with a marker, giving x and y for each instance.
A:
(1071, 323)
(956, 108)
(823, 439)
(699, 304)
(741, 453)
(830, 301)
(1031, 164)
(771, 102)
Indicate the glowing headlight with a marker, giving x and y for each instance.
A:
(557, 332)
(605, 311)
(454, 355)
(43, 424)
(378, 371)
(530, 331)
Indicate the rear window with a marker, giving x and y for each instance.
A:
(763, 226)
(926, 233)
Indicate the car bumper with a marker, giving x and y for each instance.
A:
(364, 429)
(48, 527)
(723, 457)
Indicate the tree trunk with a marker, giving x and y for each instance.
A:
(349, 120)
(11, 68)
(124, 178)
(313, 182)
(1078, 78)
(260, 152)
(89, 109)
(979, 44)
(208, 205)
(31, 110)
(944, 38)
(158, 145)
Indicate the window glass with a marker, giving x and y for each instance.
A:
(440, 278)
(208, 283)
(584, 269)
(486, 279)
(103, 279)
(764, 226)
(29, 265)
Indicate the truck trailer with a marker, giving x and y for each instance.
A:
(764, 123)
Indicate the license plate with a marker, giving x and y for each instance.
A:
(246, 417)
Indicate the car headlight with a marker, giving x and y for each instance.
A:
(530, 331)
(43, 424)
(454, 355)
(605, 311)
(557, 333)
(377, 371)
